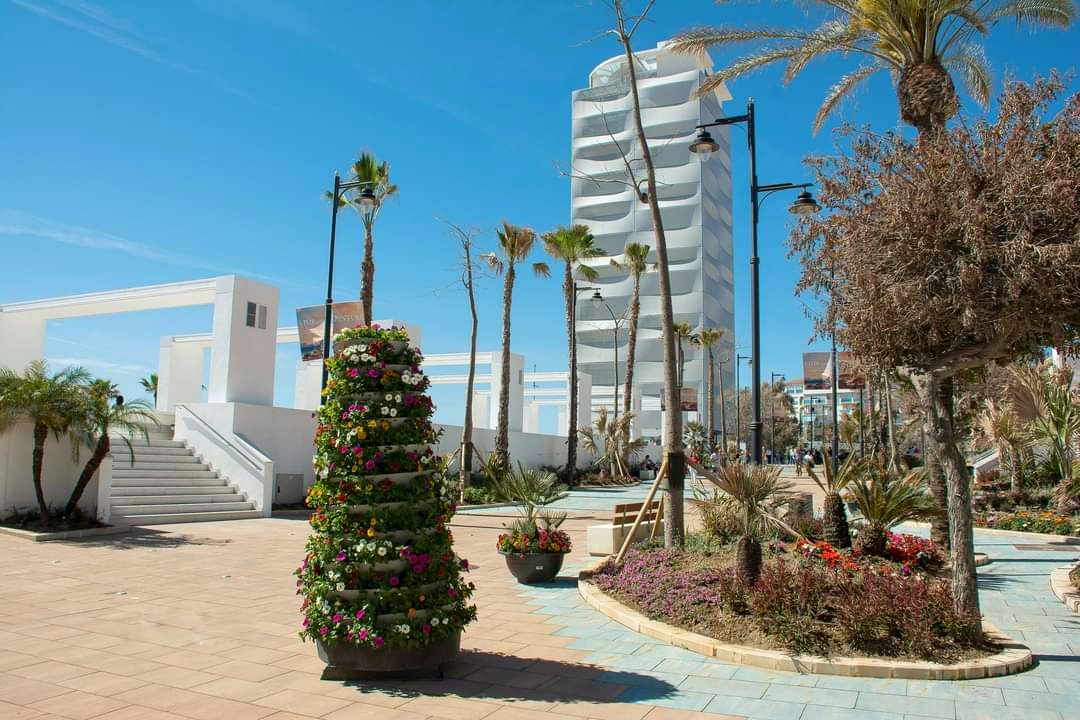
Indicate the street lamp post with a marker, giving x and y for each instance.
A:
(366, 200)
(812, 411)
(804, 204)
(738, 399)
(598, 299)
(772, 412)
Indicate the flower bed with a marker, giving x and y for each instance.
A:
(380, 570)
(1029, 521)
(808, 600)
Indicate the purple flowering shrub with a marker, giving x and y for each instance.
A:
(799, 604)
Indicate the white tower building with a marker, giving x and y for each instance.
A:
(695, 202)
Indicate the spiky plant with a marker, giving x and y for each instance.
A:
(837, 532)
(756, 491)
(886, 499)
(572, 246)
(150, 385)
(609, 442)
(530, 490)
(1000, 425)
(918, 43)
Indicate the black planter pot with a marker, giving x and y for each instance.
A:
(348, 662)
(537, 568)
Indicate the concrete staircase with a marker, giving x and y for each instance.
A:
(170, 484)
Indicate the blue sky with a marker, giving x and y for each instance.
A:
(145, 142)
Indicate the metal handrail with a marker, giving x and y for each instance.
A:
(257, 464)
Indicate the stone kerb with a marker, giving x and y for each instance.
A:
(1013, 658)
(1063, 588)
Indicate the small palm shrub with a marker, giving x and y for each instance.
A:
(887, 499)
(537, 530)
(835, 523)
(754, 493)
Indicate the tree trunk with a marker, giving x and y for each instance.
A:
(894, 448)
(936, 393)
(710, 404)
(572, 396)
(935, 479)
(467, 426)
(367, 276)
(723, 420)
(836, 528)
(926, 95)
(502, 430)
(674, 478)
(748, 560)
(872, 540)
(631, 345)
(91, 467)
(41, 434)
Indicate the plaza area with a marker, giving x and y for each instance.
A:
(200, 621)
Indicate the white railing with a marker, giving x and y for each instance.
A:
(229, 453)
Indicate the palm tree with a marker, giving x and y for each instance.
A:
(530, 490)
(1000, 425)
(919, 43)
(683, 334)
(609, 442)
(887, 499)
(515, 244)
(572, 245)
(1047, 406)
(756, 491)
(633, 262)
(149, 384)
(99, 415)
(836, 528)
(708, 338)
(50, 401)
(376, 177)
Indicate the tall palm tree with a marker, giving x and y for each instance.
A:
(149, 384)
(919, 43)
(50, 401)
(1000, 425)
(684, 334)
(708, 338)
(515, 244)
(1047, 405)
(376, 175)
(633, 262)
(100, 414)
(572, 245)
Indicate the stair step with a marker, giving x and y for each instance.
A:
(119, 448)
(171, 481)
(188, 517)
(124, 493)
(167, 508)
(181, 464)
(128, 472)
(179, 499)
(138, 442)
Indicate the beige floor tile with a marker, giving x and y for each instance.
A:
(178, 677)
(234, 689)
(359, 711)
(79, 705)
(18, 712)
(303, 703)
(50, 671)
(103, 683)
(24, 691)
(450, 708)
(248, 671)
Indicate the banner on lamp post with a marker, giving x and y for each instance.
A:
(311, 321)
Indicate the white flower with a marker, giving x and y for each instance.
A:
(393, 412)
(385, 410)
(360, 348)
(389, 397)
(434, 622)
(340, 586)
(381, 552)
(397, 398)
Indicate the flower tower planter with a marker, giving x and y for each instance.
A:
(383, 591)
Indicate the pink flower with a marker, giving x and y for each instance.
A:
(337, 617)
(425, 628)
(451, 592)
(378, 642)
(394, 581)
(353, 372)
(341, 556)
(362, 634)
(306, 622)
(359, 614)
(324, 630)
(370, 465)
(464, 564)
(373, 373)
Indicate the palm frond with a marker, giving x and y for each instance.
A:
(831, 36)
(696, 41)
(541, 269)
(841, 90)
(1057, 13)
(974, 69)
(587, 272)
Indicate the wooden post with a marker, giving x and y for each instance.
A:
(641, 513)
(656, 519)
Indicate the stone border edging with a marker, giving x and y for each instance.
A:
(1014, 658)
(982, 559)
(1063, 539)
(65, 534)
(1064, 589)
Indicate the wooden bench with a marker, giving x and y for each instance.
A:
(606, 539)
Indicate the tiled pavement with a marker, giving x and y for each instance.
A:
(198, 622)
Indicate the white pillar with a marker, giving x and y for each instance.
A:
(244, 342)
(308, 385)
(180, 366)
(584, 405)
(481, 410)
(22, 339)
(635, 407)
(563, 419)
(532, 417)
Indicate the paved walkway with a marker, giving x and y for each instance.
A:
(199, 621)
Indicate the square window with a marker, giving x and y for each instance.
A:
(251, 314)
(262, 317)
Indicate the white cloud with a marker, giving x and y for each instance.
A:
(21, 224)
(93, 364)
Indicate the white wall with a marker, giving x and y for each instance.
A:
(242, 357)
(59, 472)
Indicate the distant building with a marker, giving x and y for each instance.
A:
(695, 200)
